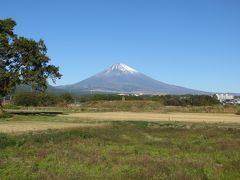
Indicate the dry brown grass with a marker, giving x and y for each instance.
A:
(19, 127)
(152, 106)
(84, 120)
(182, 117)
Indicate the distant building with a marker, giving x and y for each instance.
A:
(123, 94)
(224, 97)
(237, 101)
(138, 94)
(228, 99)
(133, 94)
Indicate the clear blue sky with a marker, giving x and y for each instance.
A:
(192, 43)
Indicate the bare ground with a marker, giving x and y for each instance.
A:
(19, 127)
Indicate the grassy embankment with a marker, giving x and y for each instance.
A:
(131, 106)
(123, 150)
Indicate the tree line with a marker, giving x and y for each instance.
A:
(167, 100)
(43, 99)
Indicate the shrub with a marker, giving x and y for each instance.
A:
(11, 106)
(66, 98)
(189, 100)
(26, 99)
(111, 97)
(41, 99)
(168, 100)
(5, 115)
(6, 141)
(238, 112)
(34, 99)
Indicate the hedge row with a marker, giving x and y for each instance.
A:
(168, 100)
(36, 99)
(41, 99)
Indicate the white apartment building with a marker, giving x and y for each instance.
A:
(224, 97)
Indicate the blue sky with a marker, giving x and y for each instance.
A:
(191, 43)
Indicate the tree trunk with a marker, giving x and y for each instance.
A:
(1, 107)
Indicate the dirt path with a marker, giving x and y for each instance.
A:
(184, 117)
(18, 127)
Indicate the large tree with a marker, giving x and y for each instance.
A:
(23, 61)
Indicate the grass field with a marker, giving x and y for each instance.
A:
(120, 147)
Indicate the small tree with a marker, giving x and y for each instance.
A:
(23, 61)
(67, 98)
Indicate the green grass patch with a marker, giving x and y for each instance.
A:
(6, 141)
(11, 106)
(5, 115)
(125, 150)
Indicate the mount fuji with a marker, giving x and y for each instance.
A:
(120, 78)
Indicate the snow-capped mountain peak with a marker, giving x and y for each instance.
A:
(120, 78)
(121, 68)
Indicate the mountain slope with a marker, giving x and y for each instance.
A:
(50, 89)
(124, 79)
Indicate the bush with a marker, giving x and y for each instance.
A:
(34, 99)
(6, 141)
(238, 112)
(111, 97)
(168, 100)
(41, 99)
(66, 98)
(11, 106)
(5, 115)
(189, 100)
(26, 99)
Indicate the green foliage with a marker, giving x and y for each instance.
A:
(11, 106)
(34, 99)
(41, 99)
(100, 97)
(168, 100)
(190, 100)
(66, 98)
(5, 115)
(107, 97)
(6, 141)
(23, 61)
(6, 38)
